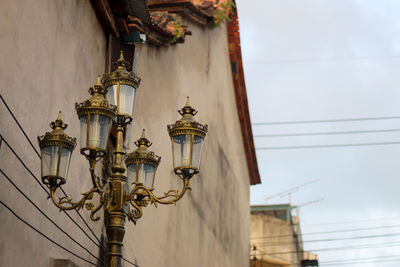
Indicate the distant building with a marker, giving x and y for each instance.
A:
(275, 238)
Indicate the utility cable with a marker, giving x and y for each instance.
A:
(41, 185)
(330, 239)
(330, 232)
(326, 146)
(37, 153)
(359, 262)
(45, 236)
(350, 222)
(327, 133)
(305, 60)
(44, 214)
(19, 125)
(323, 121)
(366, 246)
(360, 259)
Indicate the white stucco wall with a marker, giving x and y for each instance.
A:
(51, 53)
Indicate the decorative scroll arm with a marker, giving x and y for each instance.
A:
(141, 196)
(66, 203)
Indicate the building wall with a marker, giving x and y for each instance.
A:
(52, 52)
(272, 236)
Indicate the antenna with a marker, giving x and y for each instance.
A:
(297, 207)
(292, 190)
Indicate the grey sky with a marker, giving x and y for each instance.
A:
(357, 183)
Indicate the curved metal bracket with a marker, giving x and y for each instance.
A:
(66, 203)
(141, 196)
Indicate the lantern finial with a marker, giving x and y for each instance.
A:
(58, 124)
(187, 111)
(143, 142)
(98, 83)
(121, 63)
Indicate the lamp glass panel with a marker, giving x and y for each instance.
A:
(131, 173)
(99, 128)
(145, 174)
(197, 146)
(148, 174)
(83, 120)
(64, 162)
(181, 149)
(124, 100)
(49, 160)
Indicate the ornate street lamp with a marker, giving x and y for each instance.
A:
(113, 103)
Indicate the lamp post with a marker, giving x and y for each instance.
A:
(111, 102)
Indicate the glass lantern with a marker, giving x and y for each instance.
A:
(142, 164)
(96, 116)
(121, 86)
(56, 148)
(187, 138)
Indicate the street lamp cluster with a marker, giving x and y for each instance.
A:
(111, 105)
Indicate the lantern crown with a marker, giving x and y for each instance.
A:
(187, 124)
(96, 103)
(121, 74)
(142, 154)
(57, 136)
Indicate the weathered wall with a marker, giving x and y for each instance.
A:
(51, 53)
(210, 225)
(272, 236)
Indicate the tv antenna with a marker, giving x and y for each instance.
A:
(290, 191)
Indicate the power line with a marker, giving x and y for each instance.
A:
(305, 60)
(359, 262)
(47, 193)
(366, 246)
(328, 133)
(41, 185)
(326, 146)
(330, 239)
(37, 153)
(19, 125)
(45, 236)
(44, 214)
(349, 222)
(323, 121)
(360, 259)
(331, 232)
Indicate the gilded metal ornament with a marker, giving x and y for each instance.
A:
(114, 195)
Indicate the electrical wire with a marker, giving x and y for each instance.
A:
(360, 262)
(45, 236)
(37, 153)
(319, 60)
(19, 125)
(350, 222)
(323, 121)
(41, 185)
(44, 214)
(326, 146)
(365, 246)
(331, 239)
(326, 133)
(360, 259)
(330, 232)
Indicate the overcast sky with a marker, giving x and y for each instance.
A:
(321, 60)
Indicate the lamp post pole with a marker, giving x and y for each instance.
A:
(115, 221)
(119, 202)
